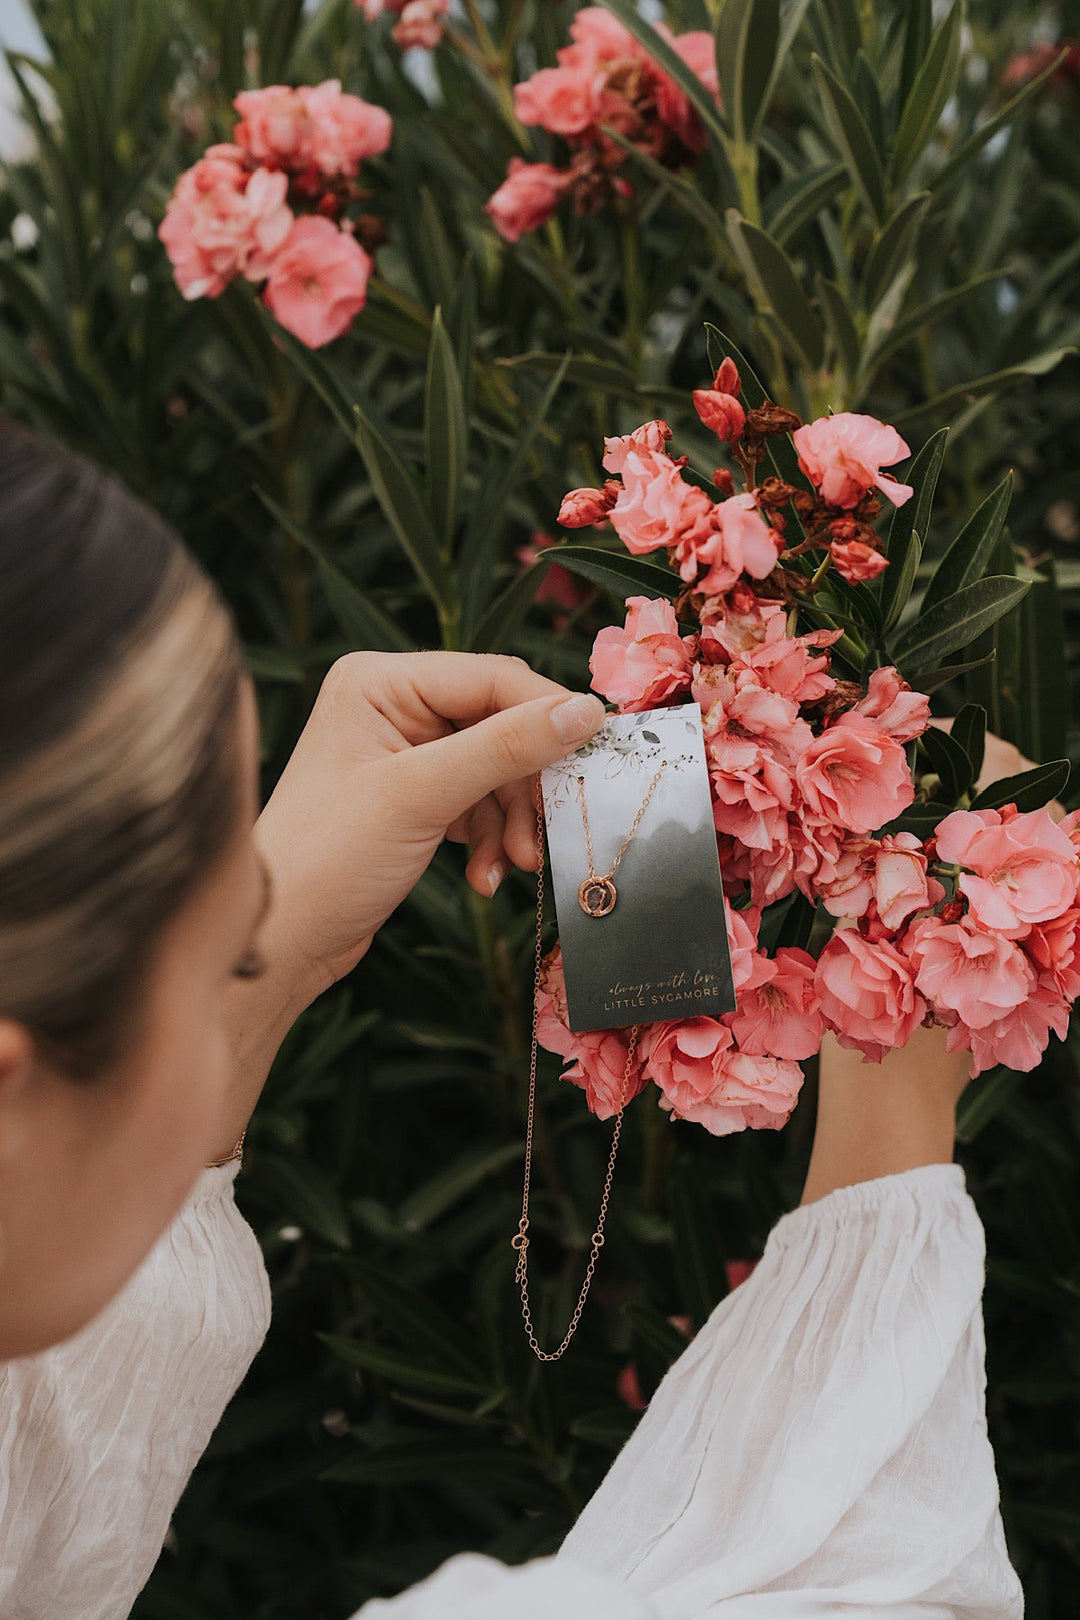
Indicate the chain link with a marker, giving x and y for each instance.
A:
(625, 845)
(520, 1241)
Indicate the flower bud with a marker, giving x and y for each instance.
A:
(727, 380)
(584, 506)
(720, 412)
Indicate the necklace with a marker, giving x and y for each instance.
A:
(520, 1241)
(597, 894)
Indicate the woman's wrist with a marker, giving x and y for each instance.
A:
(880, 1119)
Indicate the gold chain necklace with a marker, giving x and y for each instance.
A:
(520, 1240)
(597, 894)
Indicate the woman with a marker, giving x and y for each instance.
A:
(821, 1446)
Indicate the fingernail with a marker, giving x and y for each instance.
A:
(577, 718)
(495, 875)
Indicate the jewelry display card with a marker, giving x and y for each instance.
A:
(643, 932)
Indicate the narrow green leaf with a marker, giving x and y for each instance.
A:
(934, 84)
(920, 819)
(1030, 790)
(446, 433)
(841, 325)
(397, 494)
(277, 36)
(777, 289)
(955, 623)
(307, 1193)
(794, 204)
(852, 138)
(898, 581)
(918, 29)
(625, 576)
(915, 514)
(932, 678)
(401, 1368)
(947, 758)
(905, 330)
(493, 630)
(993, 383)
(969, 730)
(746, 42)
(960, 161)
(892, 245)
(969, 554)
(685, 192)
(361, 619)
(435, 1197)
(1045, 714)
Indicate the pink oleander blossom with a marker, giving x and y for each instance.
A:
(855, 561)
(893, 707)
(564, 100)
(888, 872)
(779, 1010)
(722, 413)
(656, 506)
(843, 456)
(420, 25)
(650, 436)
(597, 1057)
(971, 971)
(742, 932)
(1053, 949)
(703, 1077)
(223, 221)
(315, 126)
(1018, 1040)
(527, 198)
(647, 662)
(868, 994)
(789, 665)
(855, 776)
(738, 621)
(559, 586)
(318, 281)
(731, 539)
(1021, 869)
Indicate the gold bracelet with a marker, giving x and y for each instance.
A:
(237, 1153)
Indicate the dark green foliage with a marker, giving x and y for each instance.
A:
(839, 240)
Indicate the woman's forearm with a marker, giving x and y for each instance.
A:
(879, 1119)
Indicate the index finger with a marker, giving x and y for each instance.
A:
(455, 686)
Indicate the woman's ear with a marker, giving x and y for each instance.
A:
(17, 1069)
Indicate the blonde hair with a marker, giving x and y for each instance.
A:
(118, 765)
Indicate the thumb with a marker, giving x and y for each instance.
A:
(444, 778)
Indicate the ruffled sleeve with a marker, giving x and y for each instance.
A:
(819, 1450)
(99, 1435)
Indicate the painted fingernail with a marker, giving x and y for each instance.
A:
(577, 717)
(495, 875)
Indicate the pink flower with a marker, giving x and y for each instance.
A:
(1053, 948)
(742, 930)
(656, 506)
(698, 51)
(564, 100)
(753, 738)
(558, 585)
(1021, 869)
(318, 282)
(597, 31)
(527, 198)
(650, 436)
(582, 507)
(599, 1056)
(855, 561)
(720, 412)
(779, 1009)
(739, 621)
(421, 24)
(733, 539)
(273, 126)
(889, 872)
(647, 662)
(342, 129)
(223, 221)
(868, 994)
(786, 664)
(969, 971)
(893, 707)
(843, 456)
(855, 776)
(1018, 1040)
(704, 1078)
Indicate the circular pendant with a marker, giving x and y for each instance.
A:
(596, 896)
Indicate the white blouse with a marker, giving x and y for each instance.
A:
(820, 1449)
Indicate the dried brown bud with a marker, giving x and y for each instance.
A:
(768, 420)
(773, 492)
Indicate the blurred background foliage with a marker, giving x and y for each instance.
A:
(887, 217)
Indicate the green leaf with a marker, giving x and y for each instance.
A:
(746, 44)
(908, 527)
(852, 138)
(993, 383)
(446, 432)
(307, 1193)
(969, 730)
(899, 581)
(918, 28)
(960, 161)
(984, 1099)
(277, 36)
(930, 679)
(971, 551)
(841, 324)
(901, 331)
(794, 204)
(954, 624)
(435, 1197)
(361, 619)
(934, 84)
(672, 64)
(684, 191)
(920, 819)
(949, 761)
(401, 1368)
(892, 245)
(776, 288)
(1030, 790)
(493, 629)
(1045, 713)
(625, 576)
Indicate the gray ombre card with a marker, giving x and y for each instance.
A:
(661, 951)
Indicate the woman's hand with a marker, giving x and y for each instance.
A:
(403, 750)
